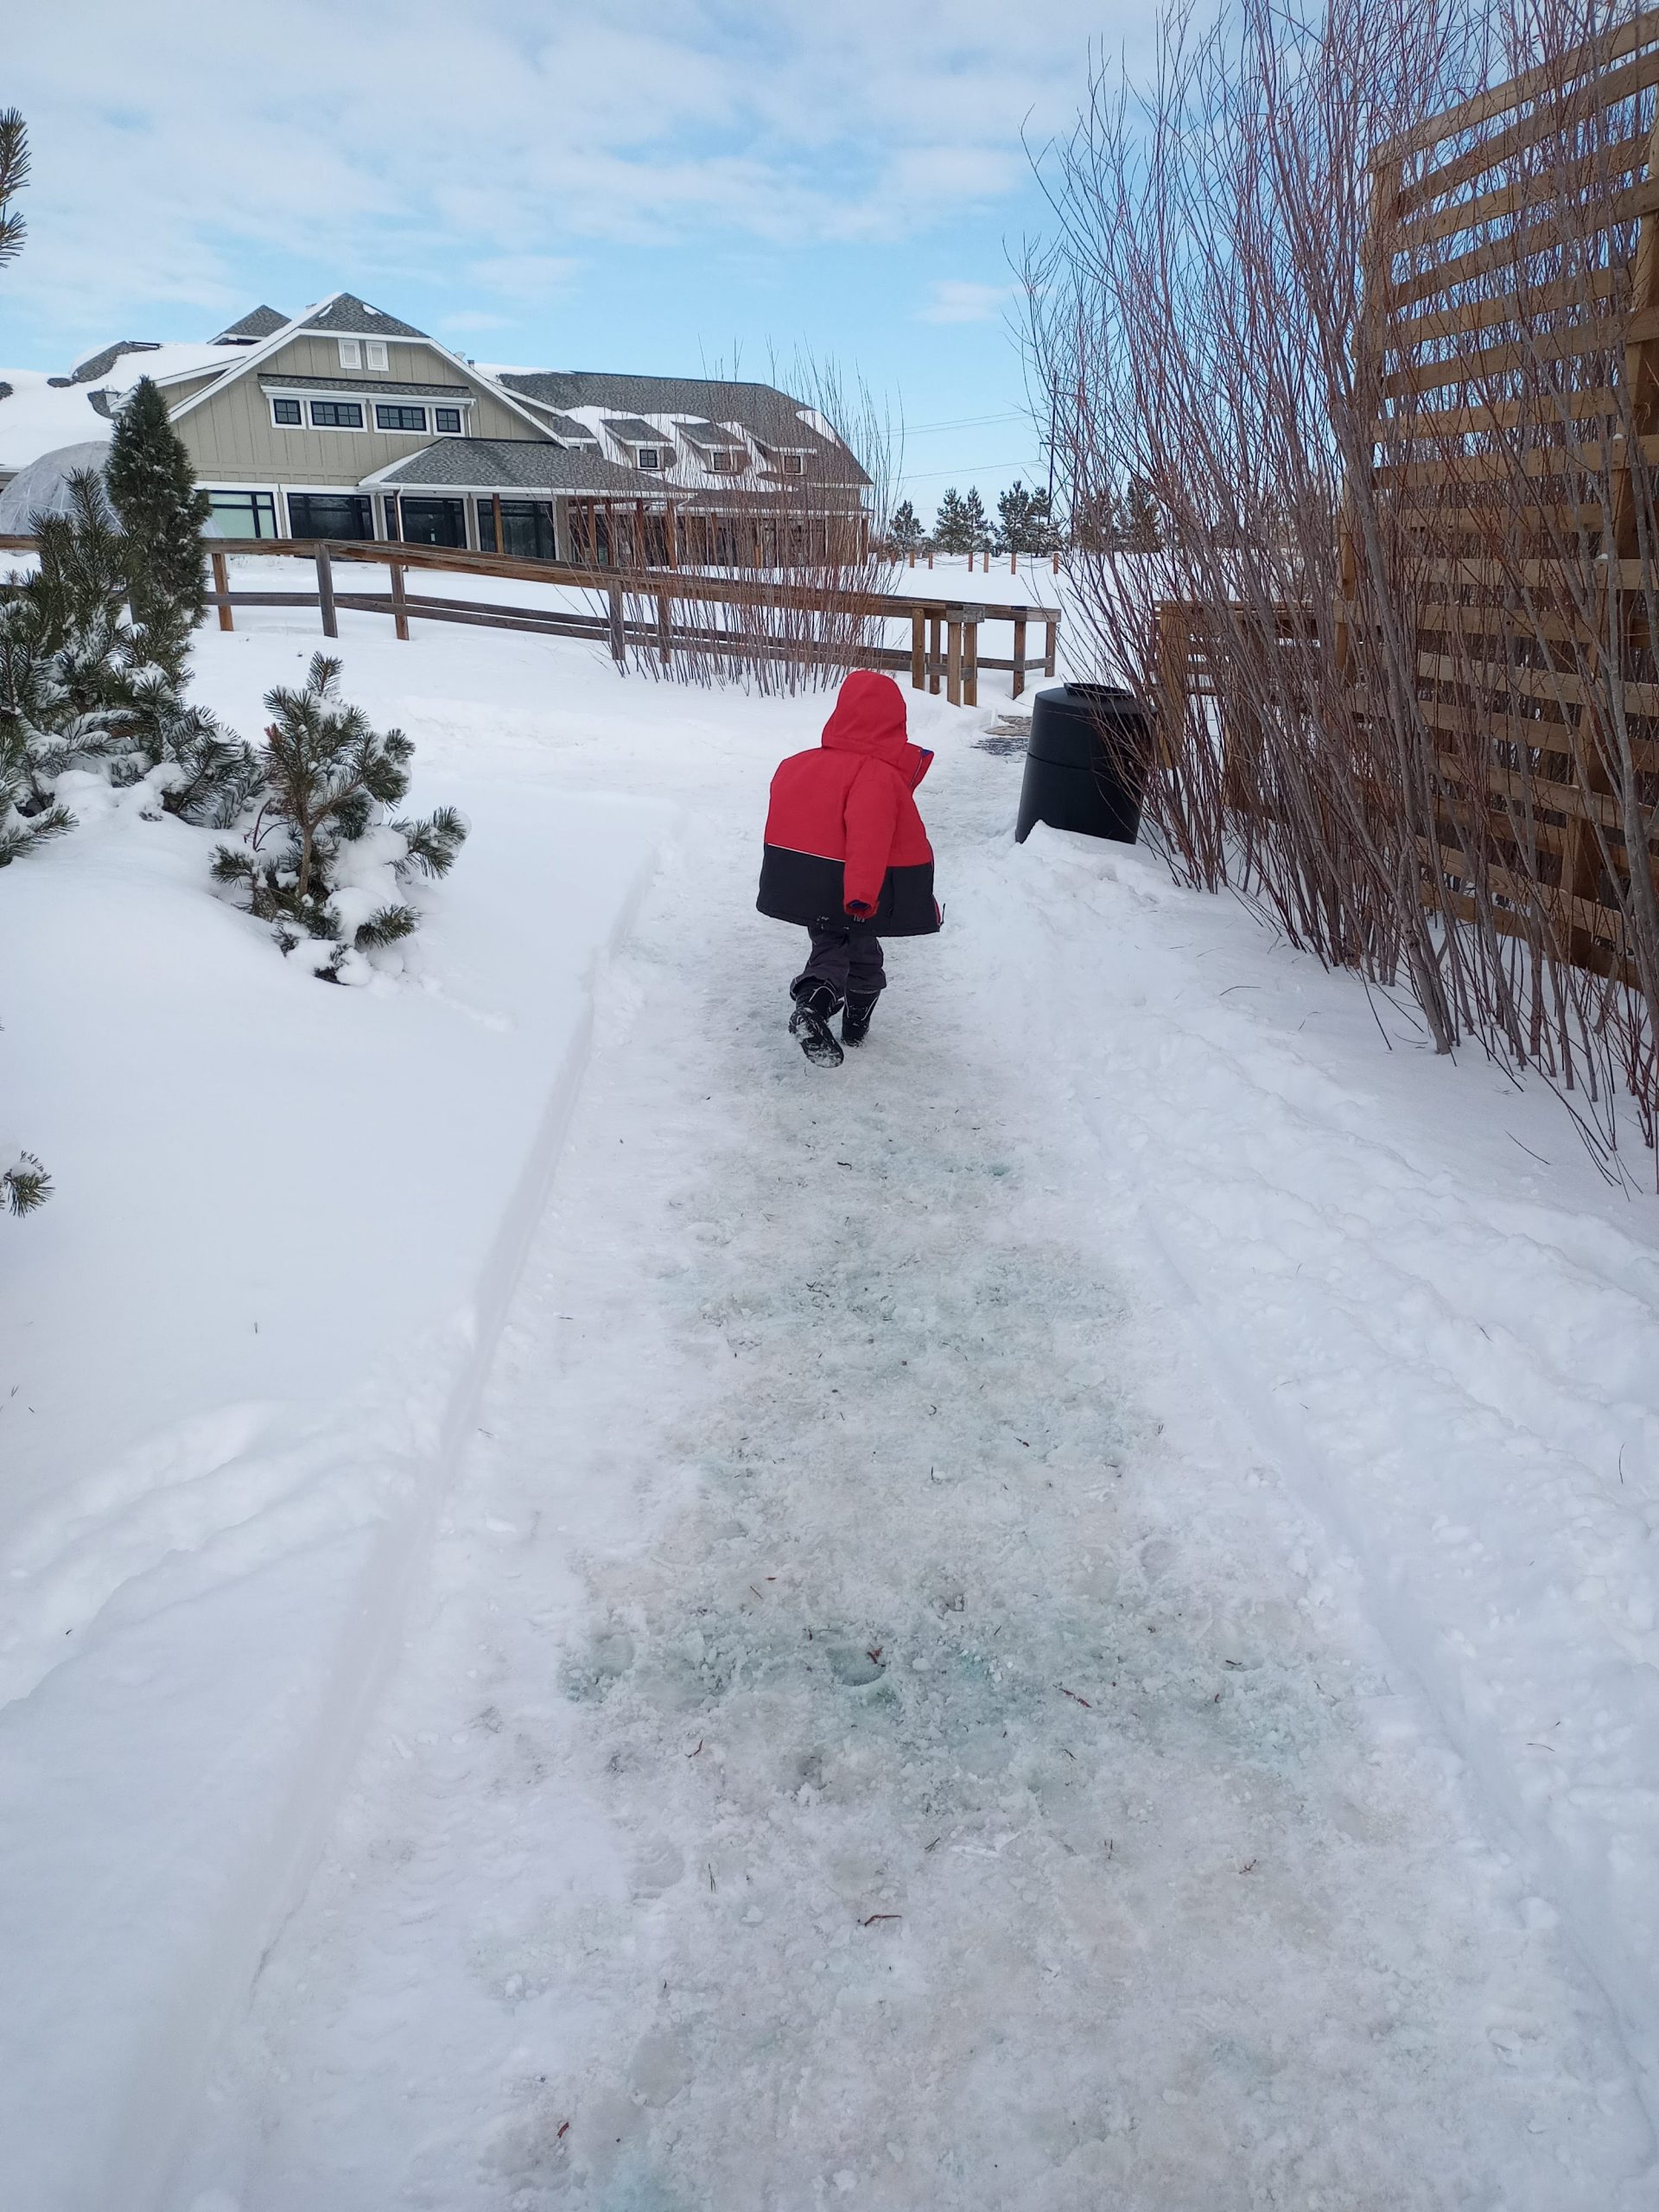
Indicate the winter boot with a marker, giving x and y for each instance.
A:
(855, 1018)
(814, 1004)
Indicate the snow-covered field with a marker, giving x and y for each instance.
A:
(1061, 1616)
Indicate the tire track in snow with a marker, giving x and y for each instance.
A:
(855, 1753)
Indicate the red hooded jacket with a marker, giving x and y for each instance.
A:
(844, 841)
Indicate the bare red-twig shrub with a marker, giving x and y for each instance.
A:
(1382, 373)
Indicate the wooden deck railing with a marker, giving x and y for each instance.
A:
(649, 608)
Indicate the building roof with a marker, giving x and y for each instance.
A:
(37, 417)
(508, 465)
(629, 430)
(260, 323)
(769, 416)
(100, 364)
(346, 316)
(370, 387)
(709, 437)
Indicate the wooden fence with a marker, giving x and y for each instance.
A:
(652, 609)
(1512, 329)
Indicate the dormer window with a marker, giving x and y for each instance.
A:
(793, 464)
(727, 461)
(649, 456)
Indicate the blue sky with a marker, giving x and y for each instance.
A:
(658, 188)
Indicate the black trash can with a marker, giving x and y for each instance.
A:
(1085, 762)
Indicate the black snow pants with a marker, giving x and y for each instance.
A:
(848, 960)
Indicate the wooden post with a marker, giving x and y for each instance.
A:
(1056, 560)
(1019, 656)
(971, 622)
(1052, 626)
(917, 648)
(495, 512)
(953, 625)
(222, 586)
(1014, 565)
(399, 602)
(326, 593)
(639, 548)
(930, 557)
(673, 535)
(913, 557)
(664, 632)
(618, 638)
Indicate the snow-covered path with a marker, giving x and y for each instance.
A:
(876, 1729)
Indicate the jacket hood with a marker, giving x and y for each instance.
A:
(870, 717)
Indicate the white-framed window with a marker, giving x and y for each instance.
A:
(286, 414)
(374, 355)
(794, 464)
(244, 514)
(396, 416)
(350, 354)
(446, 421)
(727, 461)
(649, 456)
(336, 415)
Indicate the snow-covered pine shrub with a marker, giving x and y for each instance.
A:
(43, 732)
(323, 858)
(24, 1186)
(132, 673)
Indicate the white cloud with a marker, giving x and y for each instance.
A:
(173, 144)
(951, 300)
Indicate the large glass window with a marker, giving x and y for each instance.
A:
(244, 514)
(527, 529)
(399, 418)
(433, 522)
(447, 421)
(329, 514)
(336, 415)
(286, 411)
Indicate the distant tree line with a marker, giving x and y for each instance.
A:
(1025, 522)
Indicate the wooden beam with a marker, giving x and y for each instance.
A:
(399, 602)
(618, 637)
(953, 623)
(918, 649)
(1019, 656)
(495, 512)
(970, 621)
(1049, 643)
(934, 651)
(222, 587)
(326, 593)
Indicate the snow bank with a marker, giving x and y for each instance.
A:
(1432, 1313)
(242, 1344)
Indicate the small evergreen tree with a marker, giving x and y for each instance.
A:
(44, 731)
(952, 532)
(322, 852)
(976, 521)
(904, 530)
(153, 492)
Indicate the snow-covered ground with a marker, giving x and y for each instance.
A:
(1062, 1615)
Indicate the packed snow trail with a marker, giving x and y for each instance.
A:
(877, 1730)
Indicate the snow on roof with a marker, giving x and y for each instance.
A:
(36, 419)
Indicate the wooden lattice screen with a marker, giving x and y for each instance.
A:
(1512, 323)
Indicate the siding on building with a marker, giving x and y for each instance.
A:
(231, 440)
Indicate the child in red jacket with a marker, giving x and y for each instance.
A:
(847, 857)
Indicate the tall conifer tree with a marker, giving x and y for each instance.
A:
(153, 489)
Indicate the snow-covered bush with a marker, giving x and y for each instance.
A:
(44, 731)
(24, 1185)
(323, 858)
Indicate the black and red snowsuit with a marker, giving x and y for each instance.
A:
(846, 854)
